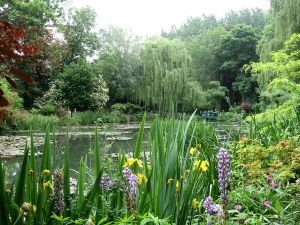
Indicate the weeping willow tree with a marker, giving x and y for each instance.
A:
(286, 15)
(282, 21)
(166, 72)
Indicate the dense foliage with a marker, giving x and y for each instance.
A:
(55, 63)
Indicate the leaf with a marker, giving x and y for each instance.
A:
(11, 82)
(4, 218)
(16, 71)
(140, 139)
(102, 220)
(20, 190)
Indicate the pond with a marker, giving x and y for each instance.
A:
(113, 138)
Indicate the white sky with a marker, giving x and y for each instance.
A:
(149, 17)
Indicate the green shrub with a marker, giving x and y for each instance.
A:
(127, 108)
(230, 117)
(47, 109)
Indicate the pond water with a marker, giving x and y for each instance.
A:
(113, 139)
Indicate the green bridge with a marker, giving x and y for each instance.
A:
(210, 116)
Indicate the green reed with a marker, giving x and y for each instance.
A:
(166, 162)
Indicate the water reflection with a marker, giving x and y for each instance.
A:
(81, 144)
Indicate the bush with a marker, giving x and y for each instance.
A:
(118, 107)
(47, 109)
(61, 111)
(128, 108)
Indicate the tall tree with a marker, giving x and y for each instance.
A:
(286, 17)
(81, 39)
(35, 17)
(166, 72)
(203, 50)
(192, 27)
(120, 63)
(279, 79)
(252, 17)
(282, 21)
(237, 49)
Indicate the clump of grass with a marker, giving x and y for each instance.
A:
(270, 132)
(25, 120)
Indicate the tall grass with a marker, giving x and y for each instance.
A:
(168, 165)
(171, 163)
(27, 121)
(270, 132)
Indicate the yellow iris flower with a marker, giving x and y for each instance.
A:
(195, 203)
(46, 172)
(196, 165)
(48, 184)
(170, 180)
(203, 165)
(142, 178)
(192, 151)
(177, 186)
(132, 161)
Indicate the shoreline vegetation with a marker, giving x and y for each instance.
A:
(26, 120)
(204, 179)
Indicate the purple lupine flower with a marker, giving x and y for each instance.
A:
(131, 179)
(224, 174)
(131, 189)
(58, 181)
(272, 184)
(269, 179)
(209, 206)
(106, 182)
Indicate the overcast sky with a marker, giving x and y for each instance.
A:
(149, 17)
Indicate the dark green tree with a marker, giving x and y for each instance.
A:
(237, 49)
(81, 40)
(203, 50)
(83, 87)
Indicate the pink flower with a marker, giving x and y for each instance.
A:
(267, 203)
(238, 207)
